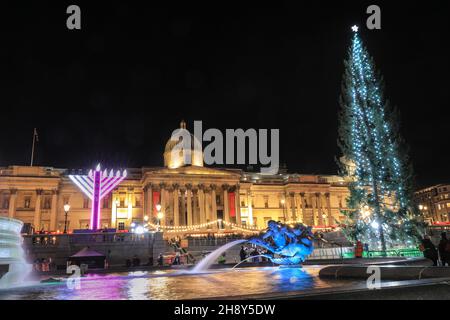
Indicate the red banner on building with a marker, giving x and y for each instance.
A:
(232, 204)
(156, 201)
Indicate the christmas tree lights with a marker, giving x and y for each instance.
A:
(381, 212)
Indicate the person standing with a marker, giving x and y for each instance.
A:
(429, 250)
(242, 254)
(359, 249)
(444, 249)
(160, 260)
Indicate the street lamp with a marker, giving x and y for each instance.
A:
(66, 212)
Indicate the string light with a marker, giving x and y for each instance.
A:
(380, 188)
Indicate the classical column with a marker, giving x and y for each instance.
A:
(319, 206)
(54, 210)
(201, 203)
(176, 206)
(190, 217)
(130, 201)
(12, 203)
(213, 203)
(183, 214)
(298, 207)
(330, 214)
(163, 203)
(287, 204)
(302, 199)
(195, 208)
(313, 207)
(292, 201)
(145, 202)
(226, 207)
(250, 207)
(114, 201)
(237, 199)
(37, 211)
(207, 203)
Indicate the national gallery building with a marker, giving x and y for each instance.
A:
(187, 198)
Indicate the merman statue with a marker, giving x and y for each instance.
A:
(287, 245)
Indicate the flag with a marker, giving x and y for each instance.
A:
(36, 135)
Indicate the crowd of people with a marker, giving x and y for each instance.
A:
(440, 254)
(253, 254)
(136, 262)
(43, 265)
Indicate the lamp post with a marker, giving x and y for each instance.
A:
(66, 212)
(160, 215)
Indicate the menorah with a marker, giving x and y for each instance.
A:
(96, 185)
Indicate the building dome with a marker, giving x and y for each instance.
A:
(178, 158)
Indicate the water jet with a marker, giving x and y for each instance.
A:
(13, 267)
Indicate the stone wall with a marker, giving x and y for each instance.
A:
(115, 246)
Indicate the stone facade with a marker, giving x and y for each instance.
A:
(189, 195)
(434, 203)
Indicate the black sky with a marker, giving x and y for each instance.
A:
(115, 90)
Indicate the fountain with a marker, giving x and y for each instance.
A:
(286, 246)
(13, 267)
(207, 261)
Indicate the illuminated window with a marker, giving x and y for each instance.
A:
(138, 201)
(85, 203)
(106, 202)
(121, 225)
(47, 203)
(27, 202)
(5, 203)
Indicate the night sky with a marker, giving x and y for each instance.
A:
(114, 91)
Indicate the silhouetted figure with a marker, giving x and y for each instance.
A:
(242, 253)
(136, 261)
(429, 250)
(160, 260)
(444, 249)
(176, 260)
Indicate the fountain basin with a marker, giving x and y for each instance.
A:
(13, 267)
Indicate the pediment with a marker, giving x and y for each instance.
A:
(196, 171)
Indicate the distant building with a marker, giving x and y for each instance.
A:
(434, 203)
(189, 196)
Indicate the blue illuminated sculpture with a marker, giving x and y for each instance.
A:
(286, 244)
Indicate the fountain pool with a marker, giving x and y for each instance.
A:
(173, 285)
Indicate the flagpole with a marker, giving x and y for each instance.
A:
(32, 148)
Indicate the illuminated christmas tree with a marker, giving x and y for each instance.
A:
(381, 211)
